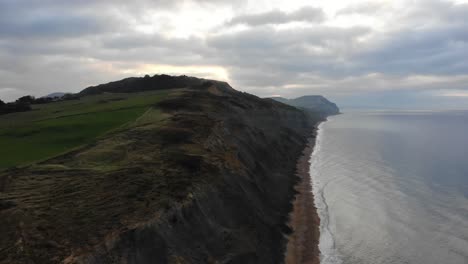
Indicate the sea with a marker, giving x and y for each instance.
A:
(392, 187)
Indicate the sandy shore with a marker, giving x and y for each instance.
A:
(302, 247)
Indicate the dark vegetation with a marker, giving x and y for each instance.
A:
(203, 174)
(50, 99)
(6, 108)
(24, 103)
(14, 107)
(147, 83)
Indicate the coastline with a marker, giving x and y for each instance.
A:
(303, 242)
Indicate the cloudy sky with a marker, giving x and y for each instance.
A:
(379, 53)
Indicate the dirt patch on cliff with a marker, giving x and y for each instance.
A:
(302, 247)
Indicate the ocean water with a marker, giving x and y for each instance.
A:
(392, 187)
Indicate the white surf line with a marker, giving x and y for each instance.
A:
(328, 252)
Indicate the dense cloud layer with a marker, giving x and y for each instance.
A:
(304, 14)
(411, 49)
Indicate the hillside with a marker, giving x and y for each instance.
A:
(55, 95)
(53, 128)
(312, 103)
(199, 174)
(147, 83)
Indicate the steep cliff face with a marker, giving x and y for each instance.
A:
(211, 182)
(314, 103)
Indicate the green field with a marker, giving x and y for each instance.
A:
(54, 128)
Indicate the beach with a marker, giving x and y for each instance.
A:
(302, 244)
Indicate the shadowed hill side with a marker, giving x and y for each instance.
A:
(211, 180)
(147, 83)
(313, 103)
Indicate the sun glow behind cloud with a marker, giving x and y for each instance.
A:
(202, 71)
(343, 48)
(456, 94)
(190, 20)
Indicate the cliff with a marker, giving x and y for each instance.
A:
(312, 103)
(210, 180)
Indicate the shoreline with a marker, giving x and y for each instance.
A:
(303, 243)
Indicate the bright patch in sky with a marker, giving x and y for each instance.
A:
(456, 94)
(341, 49)
(208, 72)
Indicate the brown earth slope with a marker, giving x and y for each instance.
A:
(212, 182)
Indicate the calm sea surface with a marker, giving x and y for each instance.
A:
(392, 187)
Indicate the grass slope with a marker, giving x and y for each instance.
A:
(54, 128)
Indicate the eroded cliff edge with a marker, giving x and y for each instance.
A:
(212, 182)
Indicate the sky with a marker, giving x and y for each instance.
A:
(371, 54)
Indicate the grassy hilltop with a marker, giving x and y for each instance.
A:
(53, 128)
